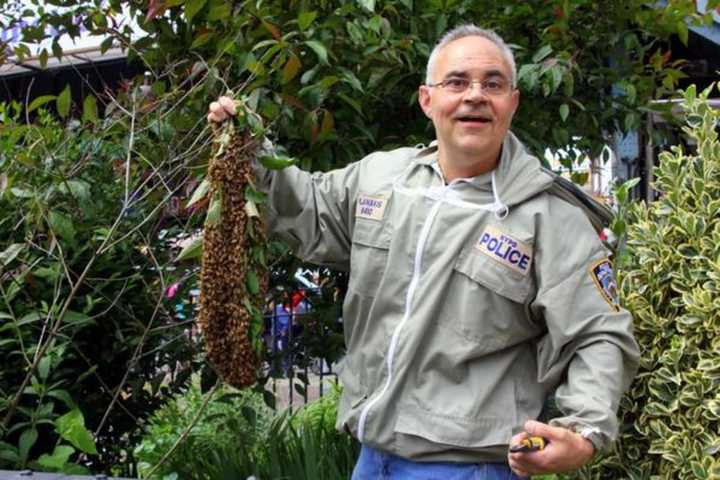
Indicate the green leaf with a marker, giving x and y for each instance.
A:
(300, 389)
(11, 252)
(202, 39)
(277, 162)
(40, 101)
(220, 11)
(192, 7)
(25, 443)
(564, 111)
(57, 49)
(71, 427)
(353, 103)
(43, 58)
(30, 318)
(542, 53)
(556, 78)
(631, 121)
(62, 225)
(253, 285)
(291, 68)
(255, 124)
(351, 79)
(682, 32)
(90, 110)
(64, 100)
(525, 71)
(254, 196)
(319, 50)
(305, 19)
(199, 193)
(369, 5)
(264, 43)
(76, 318)
(193, 249)
(690, 94)
(58, 458)
(80, 189)
(63, 396)
(74, 469)
(9, 453)
(43, 367)
(106, 45)
(214, 210)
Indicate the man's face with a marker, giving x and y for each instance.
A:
(470, 124)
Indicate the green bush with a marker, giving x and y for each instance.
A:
(670, 280)
(237, 436)
(230, 416)
(84, 319)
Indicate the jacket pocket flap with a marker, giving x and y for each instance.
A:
(494, 275)
(454, 431)
(372, 233)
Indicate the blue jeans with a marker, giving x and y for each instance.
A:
(377, 465)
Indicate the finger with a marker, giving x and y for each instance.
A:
(520, 472)
(228, 104)
(525, 470)
(216, 117)
(535, 428)
(517, 438)
(518, 469)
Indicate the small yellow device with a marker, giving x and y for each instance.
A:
(530, 444)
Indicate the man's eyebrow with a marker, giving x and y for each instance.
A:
(456, 74)
(495, 73)
(464, 74)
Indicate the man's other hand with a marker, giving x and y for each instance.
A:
(223, 108)
(566, 451)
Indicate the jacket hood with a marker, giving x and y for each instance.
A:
(519, 175)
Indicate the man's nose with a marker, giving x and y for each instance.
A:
(475, 91)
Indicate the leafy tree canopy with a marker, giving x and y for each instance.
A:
(337, 78)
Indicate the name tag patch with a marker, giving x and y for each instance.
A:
(505, 249)
(369, 207)
(604, 279)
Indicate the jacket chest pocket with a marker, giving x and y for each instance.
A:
(495, 275)
(486, 301)
(369, 255)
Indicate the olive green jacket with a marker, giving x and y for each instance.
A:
(468, 303)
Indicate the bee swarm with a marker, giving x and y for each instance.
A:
(229, 310)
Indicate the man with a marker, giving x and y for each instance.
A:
(473, 291)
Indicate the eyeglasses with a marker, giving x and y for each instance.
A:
(490, 86)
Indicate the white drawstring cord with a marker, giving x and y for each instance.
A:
(501, 210)
(446, 194)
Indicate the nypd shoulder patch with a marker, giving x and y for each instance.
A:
(371, 207)
(604, 279)
(506, 250)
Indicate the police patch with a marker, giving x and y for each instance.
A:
(369, 207)
(604, 278)
(506, 250)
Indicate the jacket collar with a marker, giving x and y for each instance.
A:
(519, 175)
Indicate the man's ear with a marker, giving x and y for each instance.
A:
(515, 99)
(424, 100)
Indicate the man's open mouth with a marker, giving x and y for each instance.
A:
(474, 119)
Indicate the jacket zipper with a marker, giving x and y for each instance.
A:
(417, 267)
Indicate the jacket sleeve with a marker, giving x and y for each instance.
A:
(313, 213)
(588, 349)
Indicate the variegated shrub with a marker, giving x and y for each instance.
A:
(670, 280)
